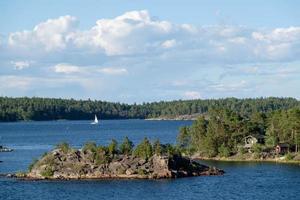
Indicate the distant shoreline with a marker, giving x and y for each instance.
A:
(58, 120)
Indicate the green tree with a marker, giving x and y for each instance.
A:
(64, 147)
(144, 149)
(127, 146)
(113, 147)
(157, 149)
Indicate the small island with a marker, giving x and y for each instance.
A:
(145, 161)
(5, 149)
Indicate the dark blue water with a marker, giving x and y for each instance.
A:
(31, 139)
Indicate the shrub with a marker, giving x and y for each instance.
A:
(224, 151)
(113, 147)
(49, 160)
(144, 149)
(101, 156)
(242, 150)
(257, 148)
(141, 172)
(127, 146)
(170, 150)
(47, 172)
(90, 146)
(289, 156)
(157, 149)
(64, 147)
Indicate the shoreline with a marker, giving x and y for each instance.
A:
(297, 162)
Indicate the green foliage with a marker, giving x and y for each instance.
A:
(223, 131)
(47, 172)
(157, 148)
(30, 167)
(184, 137)
(289, 156)
(141, 172)
(101, 156)
(170, 150)
(241, 150)
(113, 147)
(14, 109)
(144, 149)
(224, 151)
(257, 148)
(64, 147)
(271, 141)
(127, 146)
(90, 146)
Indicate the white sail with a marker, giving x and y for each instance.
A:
(95, 120)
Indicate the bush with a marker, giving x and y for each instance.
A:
(157, 149)
(48, 172)
(144, 149)
(256, 155)
(224, 151)
(242, 150)
(257, 148)
(170, 150)
(113, 147)
(289, 156)
(90, 146)
(64, 147)
(126, 147)
(101, 156)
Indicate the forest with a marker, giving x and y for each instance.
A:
(222, 133)
(38, 109)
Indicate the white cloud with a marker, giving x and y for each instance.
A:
(66, 68)
(168, 44)
(229, 87)
(19, 65)
(137, 33)
(192, 95)
(50, 35)
(113, 71)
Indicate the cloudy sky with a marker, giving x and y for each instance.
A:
(137, 50)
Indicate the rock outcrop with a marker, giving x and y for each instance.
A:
(5, 149)
(77, 164)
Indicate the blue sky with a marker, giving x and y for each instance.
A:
(138, 51)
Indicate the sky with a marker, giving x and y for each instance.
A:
(142, 51)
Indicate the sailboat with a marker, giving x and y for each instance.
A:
(95, 120)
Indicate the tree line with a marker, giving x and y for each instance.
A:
(223, 132)
(16, 109)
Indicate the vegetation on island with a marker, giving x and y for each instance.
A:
(146, 160)
(101, 154)
(15, 109)
(222, 134)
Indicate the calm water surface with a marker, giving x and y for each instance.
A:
(31, 139)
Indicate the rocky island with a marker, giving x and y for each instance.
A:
(99, 162)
